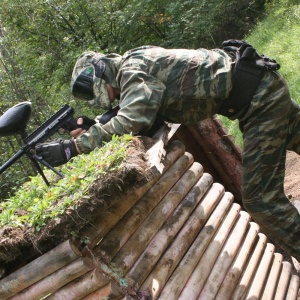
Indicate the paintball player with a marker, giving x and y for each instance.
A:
(187, 86)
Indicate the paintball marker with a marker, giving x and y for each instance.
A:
(14, 121)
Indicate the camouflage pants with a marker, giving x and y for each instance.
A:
(271, 126)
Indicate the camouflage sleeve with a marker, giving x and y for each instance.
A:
(141, 97)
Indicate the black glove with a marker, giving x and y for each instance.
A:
(72, 124)
(58, 152)
(87, 122)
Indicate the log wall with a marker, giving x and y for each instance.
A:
(181, 237)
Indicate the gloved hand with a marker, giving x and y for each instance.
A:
(86, 122)
(58, 152)
(83, 124)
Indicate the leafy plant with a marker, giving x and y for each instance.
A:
(35, 203)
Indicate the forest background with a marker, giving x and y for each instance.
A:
(41, 40)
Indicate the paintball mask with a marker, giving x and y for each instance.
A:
(87, 82)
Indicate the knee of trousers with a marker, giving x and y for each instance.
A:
(256, 210)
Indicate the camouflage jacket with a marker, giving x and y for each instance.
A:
(184, 86)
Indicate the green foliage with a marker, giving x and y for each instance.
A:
(35, 203)
(40, 41)
(277, 36)
(208, 23)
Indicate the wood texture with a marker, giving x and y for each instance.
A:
(81, 287)
(234, 273)
(168, 231)
(56, 280)
(121, 205)
(108, 292)
(226, 257)
(189, 262)
(129, 253)
(200, 274)
(261, 273)
(249, 271)
(38, 269)
(123, 230)
(171, 258)
(271, 285)
(283, 281)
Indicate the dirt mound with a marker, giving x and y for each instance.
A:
(292, 190)
(292, 178)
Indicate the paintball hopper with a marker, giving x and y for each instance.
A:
(15, 119)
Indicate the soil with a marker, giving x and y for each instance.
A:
(292, 190)
(292, 178)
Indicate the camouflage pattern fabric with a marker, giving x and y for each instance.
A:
(271, 126)
(187, 86)
(184, 86)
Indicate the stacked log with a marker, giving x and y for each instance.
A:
(181, 236)
(50, 284)
(57, 271)
(174, 254)
(81, 287)
(117, 237)
(212, 146)
(134, 247)
(39, 269)
(109, 291)
(119, 206)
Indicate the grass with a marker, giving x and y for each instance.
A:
(34, 203)
(277, 36)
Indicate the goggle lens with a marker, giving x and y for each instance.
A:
(83, 85)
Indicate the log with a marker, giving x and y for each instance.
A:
(293, 288)
(186, 266)
(102, 225)
(38, 269)
(109, 291)
(223, 154)
(245, 281)
(161, 138)
(81, 287)
(169, 230)
(118, 236)
(56, 280)
(271, 285)
(157, 152)
(171, 258)
(129, 253)
(234, 274)
(226, 256)
(106, 219)
(283, 281)
(173, 151)
(261, 273)
(197, 280)
(219, 153)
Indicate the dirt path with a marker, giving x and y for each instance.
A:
(292, 179)
(292, 189)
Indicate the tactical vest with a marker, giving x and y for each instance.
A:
(249, 68)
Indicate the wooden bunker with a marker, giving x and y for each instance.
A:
(184, 235)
